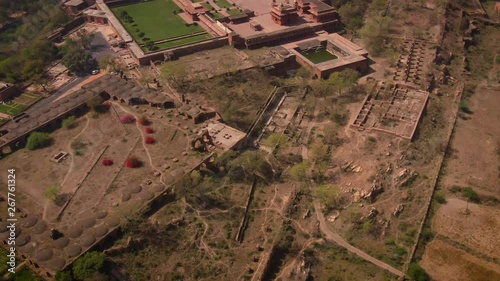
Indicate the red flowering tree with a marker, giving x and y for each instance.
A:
(107, 162)
(133, 162)
(149, 130)
(127, 119)
(144, 121)
(150, 140)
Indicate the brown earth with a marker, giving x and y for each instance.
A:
(444, 262)
(477, 230)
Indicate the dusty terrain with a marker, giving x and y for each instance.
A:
(468, 231)
(445, 262)
(476, 229)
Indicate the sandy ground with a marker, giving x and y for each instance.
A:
(475, 161)
(447, 263)
(478, 230)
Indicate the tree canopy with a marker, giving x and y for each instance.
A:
(77, 59)
(249, 164)
(38, 140)
(88, 265)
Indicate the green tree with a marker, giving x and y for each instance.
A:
(374, 33)
(249, 164)
(352, 16)
(343, 81)
(52, 192)
(417, 273)
(298, 171)
(38, 140)
(470, 194)
(85, 38)
(319, 151)
(327, 194)
(276, 139)
(77, 59)
(88, 265)
(69, 123)
(109, 60)
(64, 276)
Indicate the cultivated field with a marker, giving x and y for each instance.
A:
(445, 262)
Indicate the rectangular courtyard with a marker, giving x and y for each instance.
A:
(158, 20)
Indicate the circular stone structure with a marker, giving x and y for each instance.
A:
(61, 242)
(87, 240)
(29, 221)
(28, 248)
(40, 227)
(73, 251)
(86, 223)
(158, 187)
(3, 227)
(125, 196)
(56, 264)
(147, 195)
(23, 239)
(101, 230)
(44, 254)
(112, 222)
(100, 215)
(74, 232)
(135, 189)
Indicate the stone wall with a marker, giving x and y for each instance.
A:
(185, 50)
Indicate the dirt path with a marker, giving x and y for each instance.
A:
(330, 235)
(70, 165)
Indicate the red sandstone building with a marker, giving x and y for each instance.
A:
(319, 11)
(284, 14)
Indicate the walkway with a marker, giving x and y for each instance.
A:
(332, 236)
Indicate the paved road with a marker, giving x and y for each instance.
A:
(330, 235)
(99, 48)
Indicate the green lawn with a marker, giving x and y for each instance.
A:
(222, 3)
(208, 6)
(183, 41)
(216, 15)
(12, 108)
(234, 12)
(320, 56)
(155, 19)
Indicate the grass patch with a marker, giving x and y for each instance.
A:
(12, 108)
(156, 19)
(183, 41)
(234, 12)
(319, 56)
(222, 3)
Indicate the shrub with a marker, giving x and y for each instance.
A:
(298, 171)
(141, 34)
(150, 140)
(69, 123)
(96, 104)
(52, 192)
(107, 162)
(38, 140)
(144, 121)
(127, 119)
(464, 107)
(149, 130)
(470, 194)
(417, 273)
(440, 198)
(88, 265)
(133, 162)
